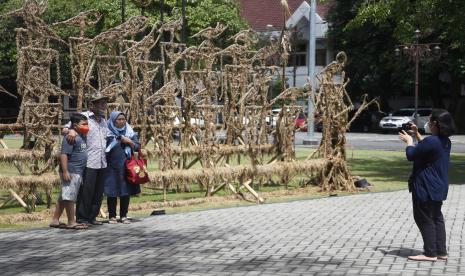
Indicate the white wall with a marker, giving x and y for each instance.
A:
(301, 75)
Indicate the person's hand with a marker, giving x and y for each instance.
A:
(414, 131)
(71, 137)
(413, 128)
(404, 136)
(127, 141)
(66, 176)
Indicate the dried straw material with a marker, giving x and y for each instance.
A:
(216, 101)
(27, 181)
(215, 150)
(238, 173)
(30, 217)
(11, 128)
(12, 155)
(333, 104)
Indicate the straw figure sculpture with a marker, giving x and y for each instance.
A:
(333, 105)
(203, 113)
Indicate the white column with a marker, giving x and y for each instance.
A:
(310, 139)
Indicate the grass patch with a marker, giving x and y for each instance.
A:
(389, 171)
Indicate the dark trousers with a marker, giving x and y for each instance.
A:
(90, 195)
(430, 221)
(123, 206)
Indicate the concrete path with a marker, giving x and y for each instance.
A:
(366, 234)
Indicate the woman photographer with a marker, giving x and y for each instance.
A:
(428, 182)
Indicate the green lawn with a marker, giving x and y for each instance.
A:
(389, 170)
(385, 170)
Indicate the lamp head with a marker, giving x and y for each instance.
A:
(397, 53)
(417, 33)
(405, 50)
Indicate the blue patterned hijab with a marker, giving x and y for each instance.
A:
(116, 133)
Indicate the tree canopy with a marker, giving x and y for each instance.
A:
(199, 15)
(438, 20)
(370, 30)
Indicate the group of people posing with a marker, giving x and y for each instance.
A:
(92, 163)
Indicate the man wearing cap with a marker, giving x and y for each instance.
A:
(91, 194)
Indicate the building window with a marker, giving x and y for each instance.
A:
(320, 59)
(300, 56)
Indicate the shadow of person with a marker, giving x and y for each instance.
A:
(401, 252)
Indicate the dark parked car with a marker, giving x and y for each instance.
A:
(367, 121)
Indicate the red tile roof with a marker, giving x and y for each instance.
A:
(260, 13)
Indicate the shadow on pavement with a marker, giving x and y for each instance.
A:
(400, 252)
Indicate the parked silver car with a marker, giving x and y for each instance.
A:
(402, 116)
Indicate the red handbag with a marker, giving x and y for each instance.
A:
(136, 169)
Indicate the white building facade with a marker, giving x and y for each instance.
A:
(297, 71)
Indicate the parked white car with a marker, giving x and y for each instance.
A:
(402, 116)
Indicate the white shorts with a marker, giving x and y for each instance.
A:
(70, 189)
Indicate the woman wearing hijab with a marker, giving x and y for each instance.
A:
(122, 141)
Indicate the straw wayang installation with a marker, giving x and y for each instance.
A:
(199, 110)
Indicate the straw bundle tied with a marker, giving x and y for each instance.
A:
(219, 150)
(12, 155)
(11, 128)
(26, 181)
(30, 217)
(238, 173)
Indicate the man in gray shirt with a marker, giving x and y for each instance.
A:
(91, 194)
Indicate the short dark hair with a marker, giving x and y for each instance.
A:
(76, 118)
(444, 121)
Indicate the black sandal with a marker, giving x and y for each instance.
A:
(60, 225)
(77, 227)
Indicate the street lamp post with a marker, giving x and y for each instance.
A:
(416, 51)
(310, 139)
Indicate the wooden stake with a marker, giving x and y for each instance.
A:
(19, 199)
(218, 188)
(252, 191)
(102, 213)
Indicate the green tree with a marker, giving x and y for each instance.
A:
(369, 31)
(199, 14)
(439, 21)
(371, 67)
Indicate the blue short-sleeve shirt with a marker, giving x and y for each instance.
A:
(77, 154)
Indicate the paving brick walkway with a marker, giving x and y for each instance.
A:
(367, 234)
